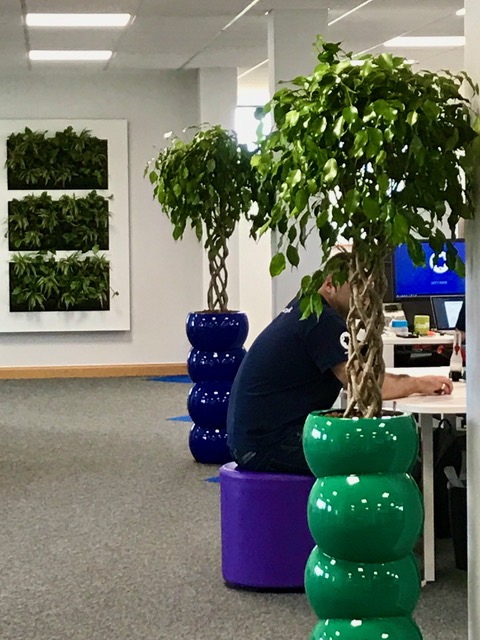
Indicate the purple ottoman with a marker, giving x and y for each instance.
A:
(265, 536)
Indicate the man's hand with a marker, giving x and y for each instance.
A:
(434, 385)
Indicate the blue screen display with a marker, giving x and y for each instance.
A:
(432, 280)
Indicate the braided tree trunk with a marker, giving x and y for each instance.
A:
(365, 366)
(217, 297)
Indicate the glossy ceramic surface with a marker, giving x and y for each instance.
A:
(214, 365)
(365, 513)
(208, 404)
(217, 331)
(383, 512)
(209, 446)
(343, 446)
(353, 590)
(378, 629)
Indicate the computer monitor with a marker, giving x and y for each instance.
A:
(432, 280)
(446, 310)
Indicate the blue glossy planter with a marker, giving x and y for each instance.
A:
(209, 446)
(208, 403)
(214, 365)
(217, 331)
(217, 352)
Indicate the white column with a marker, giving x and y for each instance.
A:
(291, 36)
(218, 101)
(472, 234)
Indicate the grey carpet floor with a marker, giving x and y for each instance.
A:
(109, 530)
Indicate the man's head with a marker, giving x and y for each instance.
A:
(337, 295)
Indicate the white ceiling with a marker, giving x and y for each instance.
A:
(173, 34)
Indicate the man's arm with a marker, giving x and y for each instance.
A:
(400, 386)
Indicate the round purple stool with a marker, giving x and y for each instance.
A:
(265, 536)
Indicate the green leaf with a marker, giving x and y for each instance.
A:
(301, 200)
(412, 118)
(401, 228)
(211, 164)
(292, 255)
(295, 177)
(330, 170)
(277, 264)
(476, 124)
(292, 118)
(350, 114)
(371, 208)
(460, 267)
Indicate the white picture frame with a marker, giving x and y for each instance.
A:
(117, 317)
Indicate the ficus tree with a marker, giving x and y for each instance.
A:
(372, 154)
(209, 184)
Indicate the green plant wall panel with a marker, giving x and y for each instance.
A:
(64, 248)
(39, 282)
(62, 160)
(40, 223)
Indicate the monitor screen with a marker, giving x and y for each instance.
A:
(447, 311)
(431, 280)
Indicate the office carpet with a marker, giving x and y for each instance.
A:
(110, 531)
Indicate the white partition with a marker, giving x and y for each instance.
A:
(117, 318)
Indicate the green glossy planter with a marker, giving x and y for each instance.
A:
(365, 513)
(378, 629)
(353, 590)
(339, 446)
(386, 514)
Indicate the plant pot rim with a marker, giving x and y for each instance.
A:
(208, 312)
(387, 414)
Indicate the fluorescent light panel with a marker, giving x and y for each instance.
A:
(460, 12)
(426, 41)
(69, 56)
(77, 19)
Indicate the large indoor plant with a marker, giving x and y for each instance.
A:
(372, 154)
(207, 183)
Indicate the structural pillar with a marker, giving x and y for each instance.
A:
(218, 101)
(291, 38)
(472, 235)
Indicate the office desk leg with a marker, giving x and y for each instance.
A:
(426, 427)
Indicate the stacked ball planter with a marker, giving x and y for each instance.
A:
(365, 513)
(217, 351)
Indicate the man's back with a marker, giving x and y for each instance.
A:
(285, 375)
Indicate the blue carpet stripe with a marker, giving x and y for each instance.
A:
(213, 479)
(183, 379)
(181, 419)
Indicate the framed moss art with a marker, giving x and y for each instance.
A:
(59, 160)
(40, 223)
(64, 251)
(39, 282)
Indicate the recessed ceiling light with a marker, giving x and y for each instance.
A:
(77, 19)
(426, 41)
(72, 55)
(460, 12)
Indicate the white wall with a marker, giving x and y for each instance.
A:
(166, 277)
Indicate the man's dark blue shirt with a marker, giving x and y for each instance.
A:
(286, 374)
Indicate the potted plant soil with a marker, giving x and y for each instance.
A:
(208, 184)
(375, 155)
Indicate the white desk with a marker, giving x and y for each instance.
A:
(425, 406)
(390, 341)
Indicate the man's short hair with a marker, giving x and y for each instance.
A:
(338, 266)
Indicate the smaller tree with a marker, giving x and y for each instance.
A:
(209, 184)
(375, 155)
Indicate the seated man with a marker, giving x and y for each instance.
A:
(294, 367)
